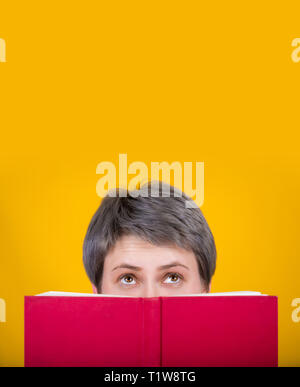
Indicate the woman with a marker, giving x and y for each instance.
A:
(148, 244)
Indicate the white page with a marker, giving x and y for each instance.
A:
(69, 294)
(238, 293)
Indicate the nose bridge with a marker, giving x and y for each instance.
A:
(150, 289)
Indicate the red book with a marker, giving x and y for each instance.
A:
(221, 329)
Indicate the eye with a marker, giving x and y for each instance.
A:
(127, 279)
(173, 278)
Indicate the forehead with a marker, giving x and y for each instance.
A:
(135, 251)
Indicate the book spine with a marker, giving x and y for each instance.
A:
(151, 327)
(27, 333)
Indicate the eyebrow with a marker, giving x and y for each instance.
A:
(138, 268)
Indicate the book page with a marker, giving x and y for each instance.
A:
(70, 294)
(238, 293)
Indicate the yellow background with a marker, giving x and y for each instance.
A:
(160, 81)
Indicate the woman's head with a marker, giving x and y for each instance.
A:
(147, 243)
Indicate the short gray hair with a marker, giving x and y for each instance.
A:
(160, 218)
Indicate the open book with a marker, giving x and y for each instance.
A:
(69, 294)
(214, 329)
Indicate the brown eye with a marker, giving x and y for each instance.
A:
(173, 278)
(127, 280)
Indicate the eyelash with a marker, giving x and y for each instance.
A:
(167, 275)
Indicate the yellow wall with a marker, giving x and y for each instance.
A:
(161, 81)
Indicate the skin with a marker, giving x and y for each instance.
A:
(146, 277)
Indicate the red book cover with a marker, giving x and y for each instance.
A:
(219, 331)
(176, 331)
